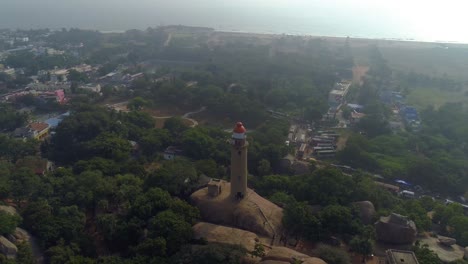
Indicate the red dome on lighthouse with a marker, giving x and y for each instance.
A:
(239, 128)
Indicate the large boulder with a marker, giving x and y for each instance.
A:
(279, 255)
(8, 209)
(7, 248)
(253, 213)
(446, 241)
(19, 236)
(222, 234)
(466, 253)
(366, 211)
(396, 229)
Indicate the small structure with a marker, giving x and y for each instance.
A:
(214, 187)
(96, 88)
(396, 229)
(39, 166)
(338, 94)
(172, 152)
(394, 256)
(407, 194)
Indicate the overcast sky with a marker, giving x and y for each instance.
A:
(440, 19)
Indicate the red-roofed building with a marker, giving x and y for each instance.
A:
(39, 130)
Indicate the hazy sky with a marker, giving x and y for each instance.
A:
(423, 19)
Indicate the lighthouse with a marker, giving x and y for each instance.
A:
(239, 162)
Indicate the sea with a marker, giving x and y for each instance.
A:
(420, 20)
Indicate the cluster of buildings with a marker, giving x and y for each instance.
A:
(337, 96)
(39, 130)
(408, 114)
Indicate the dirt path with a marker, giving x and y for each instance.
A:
(358, 73)
(168, 40)
(185, 116)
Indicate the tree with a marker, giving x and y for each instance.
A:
(212, 253)
(336, 219)
(198, 144)
(176, 126)
(362, 245)
(153, 141)
(25, 255)
(298, 219)
(137, 103)
(8, 222)
(109, 146)
(424, 254)
(264, 167)
(24, 184)
(171, 226)
(332, 255)
(207, 167)
(75, 76)
(176, 176)
(62, 253)
(259, 251)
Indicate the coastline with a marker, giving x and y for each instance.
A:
(263, 34)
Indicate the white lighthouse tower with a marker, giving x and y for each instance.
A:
(239, 162)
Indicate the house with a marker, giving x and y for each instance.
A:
(96, 88)
(22, 132)
(172, 152)
(39, 130)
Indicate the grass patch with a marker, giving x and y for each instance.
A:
(424, 97)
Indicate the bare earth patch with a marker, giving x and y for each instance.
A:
(358, 73)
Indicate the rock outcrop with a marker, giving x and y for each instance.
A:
(234, 236)
(466, 252)
(19, 236)
(395, 229)
(7, 248)
(280, 255)
(253, 213)
(446, 241)
(8, 209)
(222, 234)
(366, 211)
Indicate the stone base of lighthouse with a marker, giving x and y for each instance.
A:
(253, 213)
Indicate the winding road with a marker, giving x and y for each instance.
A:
(186, 116)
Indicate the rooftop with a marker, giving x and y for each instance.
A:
(401, 257)
(38, 126)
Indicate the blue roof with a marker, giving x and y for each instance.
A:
(55, 121)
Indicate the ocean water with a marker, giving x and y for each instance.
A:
(398, 19)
